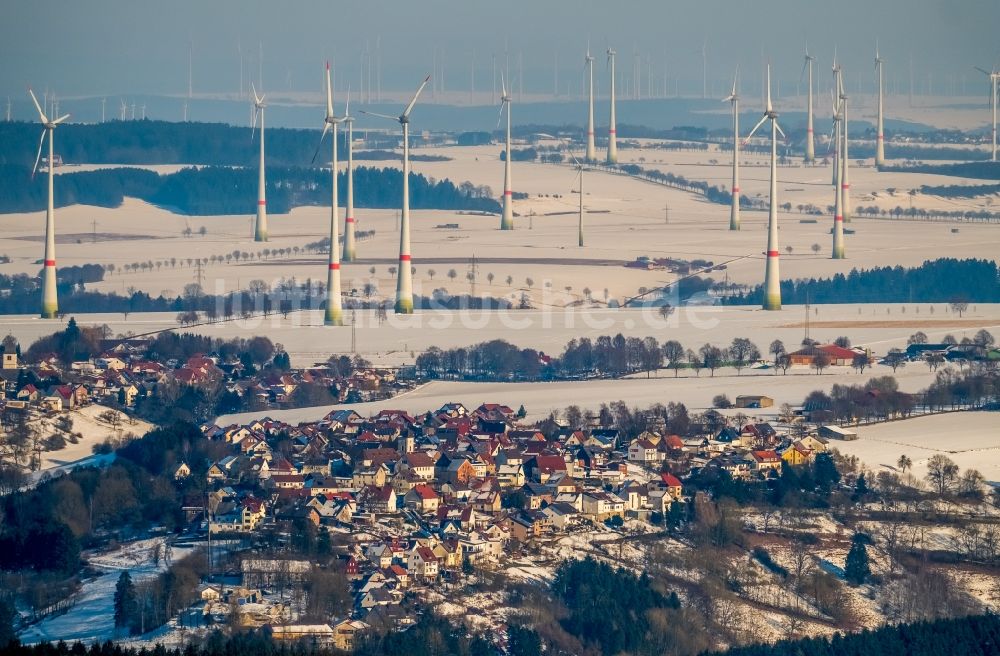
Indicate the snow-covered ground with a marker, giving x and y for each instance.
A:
(541, 398)
(970, 439)
(91, 618)
(94, 431)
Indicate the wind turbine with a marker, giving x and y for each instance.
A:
(350, 252)
(845, 184)
(404, 283)
(734, 212)
(838, 212)
(334, 315)
(880, 138)
(772, 286)
(994, 77)
(836, 141)
(807, 66)
(122, 109)
(260, 227)
(507, 218)
(612, 132)
(591, 150)
(50, 302)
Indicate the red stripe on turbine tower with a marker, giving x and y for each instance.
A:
(736, 190)
(612, 131)
(508, 193)
(262, 202)
(404, 258)
(838, 218)
(49, 263)
(772, 253)
(335, 266)
(350, 219)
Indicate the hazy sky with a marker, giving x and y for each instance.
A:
(113, 46)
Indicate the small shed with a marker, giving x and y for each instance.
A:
(838, 433)
(754, 401)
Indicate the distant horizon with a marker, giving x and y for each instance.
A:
(111, 48)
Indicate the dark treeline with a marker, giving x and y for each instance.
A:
(969, 636)
(935, 281)
(499, 360)
(977, 635)
(225, 190)
(162, 142)
(976, 170)
(961, 191)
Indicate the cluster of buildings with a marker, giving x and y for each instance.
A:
(126, 371)
(426, 497)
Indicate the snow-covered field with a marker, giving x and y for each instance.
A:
(398, 340)
(541, 398)
(970, 439)
(94, 431)
(625, 219)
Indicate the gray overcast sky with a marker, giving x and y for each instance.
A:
(113, 46)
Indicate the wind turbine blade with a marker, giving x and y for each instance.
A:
(38, 157)
(503, 87)
(329, 93)
(326, 128)
(805, 63)
(780, 131)
(385, 116)
(987, 73)
(735, 80)
(759, 123)
(253, 122)
(347, 108)
(41, 114)
(409, 108)
(60, 119)
(500, 115)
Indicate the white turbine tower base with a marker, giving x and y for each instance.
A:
(845, 183)
(50, 301)
(334, 313)
(734, 212)
(810, 155)
(772, 283)
(404, 281)
(260, 226)
(350, 247)
(879, 134)
(507, 217)
(994, 78)
(838, 212)
(591, 155)
(612, 129)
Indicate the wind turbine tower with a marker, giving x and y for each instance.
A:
(734, 212)
(350, 250)
(810, 143)
(507, 218)
(334, 315)
(404, 282)
(838, 212)
(772, 286)
(591, 150)
(260, 227)
(50, 302)
(612, 132)
(994, 77)
(845, 184)
(880, 138)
